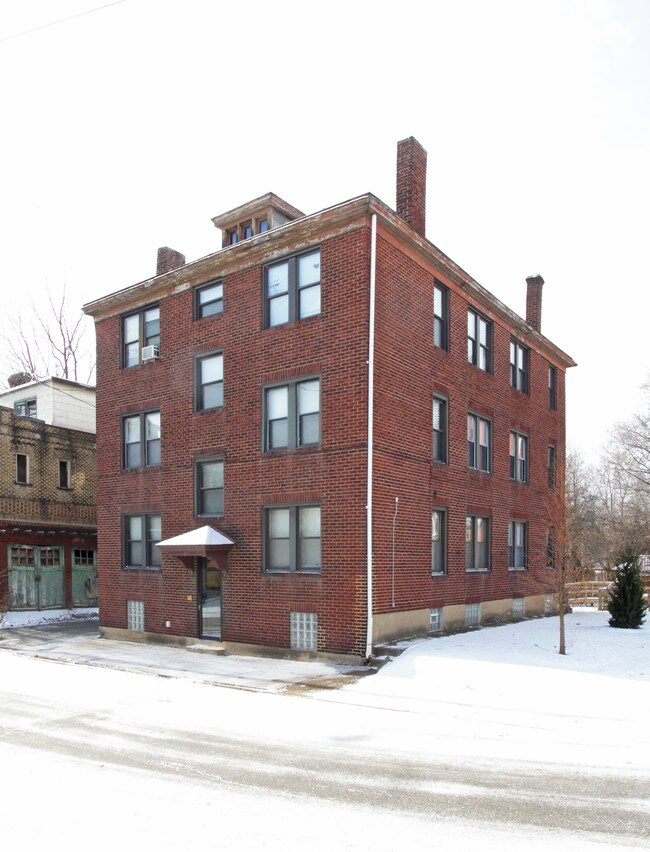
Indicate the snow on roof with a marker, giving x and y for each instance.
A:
(203, 536)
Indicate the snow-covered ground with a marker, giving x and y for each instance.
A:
(497, 700)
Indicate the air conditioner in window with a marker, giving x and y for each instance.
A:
(150, 353)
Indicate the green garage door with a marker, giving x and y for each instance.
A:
(35, 577)
(84, 577)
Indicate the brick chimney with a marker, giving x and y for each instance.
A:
(534, 301)
(168, 259)
(412, 183)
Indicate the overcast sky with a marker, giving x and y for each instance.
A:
(129, 127)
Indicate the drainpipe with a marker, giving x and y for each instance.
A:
(371, 393)
(393, 555)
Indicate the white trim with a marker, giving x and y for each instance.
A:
(371, 391)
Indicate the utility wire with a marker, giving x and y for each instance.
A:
(61, 20)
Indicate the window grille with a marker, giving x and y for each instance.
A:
(517, 607)
(304, 631)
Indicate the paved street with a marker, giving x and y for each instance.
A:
(167, 749)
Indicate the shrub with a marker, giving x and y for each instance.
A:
(627, 606)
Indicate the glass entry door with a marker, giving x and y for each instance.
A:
(210, 600)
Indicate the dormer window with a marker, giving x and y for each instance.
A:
(255, 217)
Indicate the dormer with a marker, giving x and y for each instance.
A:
(255, 217)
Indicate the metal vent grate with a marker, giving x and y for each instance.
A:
(135, 615)
(304, 631)
(548, 603)
(472, 615)
(517, 607)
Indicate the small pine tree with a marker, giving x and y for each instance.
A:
(627, 606)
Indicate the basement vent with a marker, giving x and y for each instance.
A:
(304, 631)
(435, 620)
(135, 615)
(472, 615)
(518, 607)
(548, 603)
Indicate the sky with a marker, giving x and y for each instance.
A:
(131, 124)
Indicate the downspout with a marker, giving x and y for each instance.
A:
(371, 393)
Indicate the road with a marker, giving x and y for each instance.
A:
(133, 759)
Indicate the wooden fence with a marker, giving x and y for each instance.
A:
(595, 592)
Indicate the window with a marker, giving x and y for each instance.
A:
(246, 230)
(440, 316)
(262, 226)
(439, 429)
(231, 237)
(209, 487)
(292, 415)
(438, 536)
(518, 366)
(141, 534)
(292, 289)
(478, 442)
(25, 408)
(551, 467)
(135, 615)
(22, 468)
(139, 330)
(518, 607)
(293, 539)
(479, 341)
(435, 620)
(472, 615)
(208, 381)
(208, 300)
(517, 534)
(304, 631)
(22, 556)
(518, 457)
(550, 548)
(552, 388)
(64, 474)
(141, 437)
(477, 543)
(83, 558)
(548, 603)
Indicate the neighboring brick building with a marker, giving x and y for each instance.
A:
(48, 538)
(233, 393)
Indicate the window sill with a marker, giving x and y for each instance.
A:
(477, 570)
(149, 569)
(28, 484)
(517, 569)
(141, 469)
(284, 572)
(439, 574)
(293, 322)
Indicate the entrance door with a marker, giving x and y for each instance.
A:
(35, 577)
(210, 600)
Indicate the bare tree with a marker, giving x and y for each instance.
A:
(49, 340)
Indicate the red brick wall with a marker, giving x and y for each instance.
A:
(409, 369)
(256, 606)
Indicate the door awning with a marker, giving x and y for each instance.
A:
(204, 541)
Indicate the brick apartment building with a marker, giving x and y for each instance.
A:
(334, 433)
(48, 533)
